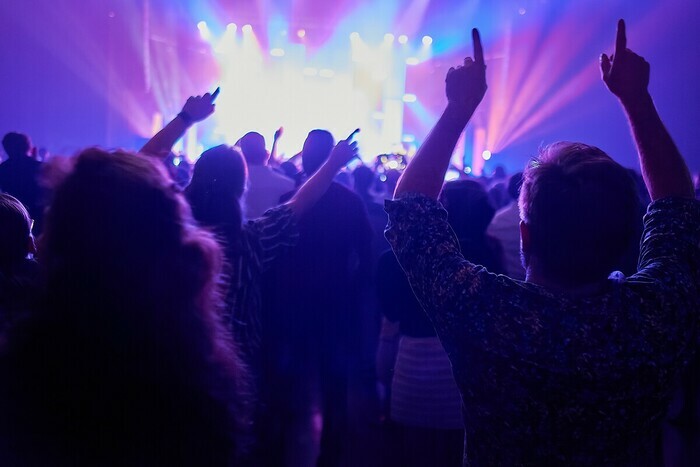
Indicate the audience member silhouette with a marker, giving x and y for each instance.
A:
(314, 303)
(19, 175)
(126, 361)
(425, 401)
(506, 228)
(570, 367)
(19, 275)
(266, 187)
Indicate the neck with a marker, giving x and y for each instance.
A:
(582, 290)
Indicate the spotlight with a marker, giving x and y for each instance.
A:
(412, 61)
(427, 40)
(301, 33)
(277, 52)
(409, 139)
(522, 11)
(409, 97)
(403, 38)
(204, 32)
(354, 36)
(467, 170)
(486, 155)
(247, 28)
(231, 27)
(388, 37)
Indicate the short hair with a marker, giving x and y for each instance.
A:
(252, 145)
(514, 184)
(469, 209)
(15, 230)
(16, 144)
(580, 207)
(364, 178)
(317, 147)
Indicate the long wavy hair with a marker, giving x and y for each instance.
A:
(127, 361)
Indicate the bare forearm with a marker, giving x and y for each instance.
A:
(163, 141)
(664, 170)
(426, 172)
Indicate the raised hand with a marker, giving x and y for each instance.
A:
(278, 133)
(466, 84)
(625, 73)
(344, 152)
(197, 108)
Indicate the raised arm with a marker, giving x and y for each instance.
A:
(465, 87)
(273, 152)
(314, 188)
(196, 109)
(626, 75)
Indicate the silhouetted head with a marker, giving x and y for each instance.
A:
(364, 179)
(253, 147)
(317, 148)
(218, 182)
(15, 232)
(469, 210)
(16, 145)
(579, 211)
(514, 184)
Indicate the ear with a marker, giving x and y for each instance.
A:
(524, 238)
(31, 245)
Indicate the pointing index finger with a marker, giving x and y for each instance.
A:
(478, 49)
(621, 40)
(352, 135)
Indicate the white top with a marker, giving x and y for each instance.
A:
(265, 187)
(506, 228)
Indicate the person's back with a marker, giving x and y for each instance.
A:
(266, 187)
(571, 367)
(19, 175)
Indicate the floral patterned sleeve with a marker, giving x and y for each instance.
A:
(272, 233)
(457, 295)
(669, 250)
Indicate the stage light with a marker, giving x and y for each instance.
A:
(409, 139)
(247, 28)
(301, 33)
(412, 61)
(277, 52)
(310, 71)
(451, 175)
(467, 170)
(427, 40)
(388, 37)
(231, 27)
(354, 36)
(522, 11)
(486, 155)
(409, 97)
(204, 30)
(326, 73)
(403, 38)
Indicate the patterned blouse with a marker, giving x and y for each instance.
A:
(551, 379)
(262, 241)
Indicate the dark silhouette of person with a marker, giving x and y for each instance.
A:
(19, 175)
(313, 303)
(126, 360)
